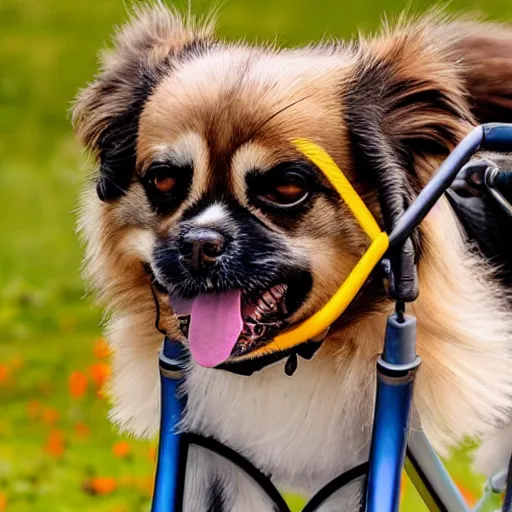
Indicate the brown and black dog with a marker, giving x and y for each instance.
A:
(200, 197)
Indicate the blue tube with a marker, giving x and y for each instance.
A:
(172, 451)
(396, 369)
(391, 425)
(497, 137)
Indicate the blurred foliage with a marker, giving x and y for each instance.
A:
(56, 449)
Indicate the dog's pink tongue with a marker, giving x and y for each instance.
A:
(215, 325)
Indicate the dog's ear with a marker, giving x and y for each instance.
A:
(404, 101)
(485, 50)
(404, 106)
(106, 113)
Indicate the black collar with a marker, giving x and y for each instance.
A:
(248, 367)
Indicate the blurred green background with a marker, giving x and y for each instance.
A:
(57, 450)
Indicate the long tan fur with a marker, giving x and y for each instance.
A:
(464, 386)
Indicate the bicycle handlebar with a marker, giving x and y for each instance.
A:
(491, 137)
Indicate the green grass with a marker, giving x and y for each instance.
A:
(47, 51)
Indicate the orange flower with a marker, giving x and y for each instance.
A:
(152, 452)
(101, 485)
(55, 444)
(50, 416)
(5, 374)
(100, 373)
(3, 502)
(121, 449)
(34, 409)
(77, 384)
(468, 496)
(101, 349)
(82, 430)
(402, 486)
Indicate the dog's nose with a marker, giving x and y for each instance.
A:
(201, 247)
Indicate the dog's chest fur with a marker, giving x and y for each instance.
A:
(302, 430)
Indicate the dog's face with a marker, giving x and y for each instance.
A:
(231, 207)
(201, 188)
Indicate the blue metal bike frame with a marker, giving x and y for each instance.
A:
(395, 369)
(172, 451)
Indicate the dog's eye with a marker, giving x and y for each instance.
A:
(162, 177)
(285, 189)
(164, 183)
(286, 194)
(291, 189)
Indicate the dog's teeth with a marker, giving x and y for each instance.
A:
(264, 307)
(267, 302)
(275, 296)
(277, 292)
(260, 313)
(281, 288)
(254, 314)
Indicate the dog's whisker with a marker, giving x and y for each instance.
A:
(275, 114)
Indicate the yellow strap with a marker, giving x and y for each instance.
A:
(339, 181)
